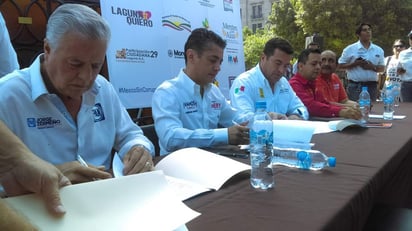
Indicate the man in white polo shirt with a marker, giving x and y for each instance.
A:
(362, 61)
(64, 111)
(266, 82)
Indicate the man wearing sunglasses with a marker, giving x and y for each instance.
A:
(362, 61)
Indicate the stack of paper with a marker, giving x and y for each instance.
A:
(136, 202)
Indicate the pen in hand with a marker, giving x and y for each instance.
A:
(83, 163)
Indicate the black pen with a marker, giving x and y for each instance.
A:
(237, 155)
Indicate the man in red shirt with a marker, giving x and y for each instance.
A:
(328, 84)
(303, 83)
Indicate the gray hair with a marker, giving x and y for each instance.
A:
(78, 18)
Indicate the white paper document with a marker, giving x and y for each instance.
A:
(201, 167)
(191, 171)
(136, 202)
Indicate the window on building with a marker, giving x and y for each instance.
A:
(257, 11)
(256, 26)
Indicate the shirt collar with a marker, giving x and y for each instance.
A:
(360, 46)
(188, 83)
(262, 78)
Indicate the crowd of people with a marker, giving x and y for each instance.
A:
(75, 113)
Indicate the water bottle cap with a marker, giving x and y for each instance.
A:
(332, 161)
(260, 104)
(364, 88)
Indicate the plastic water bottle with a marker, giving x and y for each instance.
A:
(388, 103)
(364, 104)
(303, 159)
(396, 91)
(261, 152)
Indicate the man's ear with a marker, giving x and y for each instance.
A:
(190, 54)
(46, 47)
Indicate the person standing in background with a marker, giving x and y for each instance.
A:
(362, 61)
(391, 63)
(8, 56)
(392, 78)
(405, 71)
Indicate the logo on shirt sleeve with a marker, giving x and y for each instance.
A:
(98, 112)
(240, 89)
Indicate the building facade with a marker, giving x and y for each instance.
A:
(255, 13)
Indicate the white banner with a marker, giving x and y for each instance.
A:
(148, 37)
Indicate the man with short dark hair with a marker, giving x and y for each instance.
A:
(266, 82)
(311, 45)
(303, 83)
(362, 61)
(189, 109)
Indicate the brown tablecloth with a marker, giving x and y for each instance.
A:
(373, 165)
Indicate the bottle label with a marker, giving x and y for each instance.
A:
(261, 133)
(304, 159)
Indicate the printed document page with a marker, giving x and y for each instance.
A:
(192, 171)
(201, 167)
(135, 202)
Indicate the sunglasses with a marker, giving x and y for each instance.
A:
(366, 29)
(398, 46)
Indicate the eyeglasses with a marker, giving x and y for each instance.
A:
(366, 29)
(398, 46)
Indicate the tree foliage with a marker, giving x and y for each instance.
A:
(335, 21)
(253, 45)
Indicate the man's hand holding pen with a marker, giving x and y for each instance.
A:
(238, 134)
(80, 171)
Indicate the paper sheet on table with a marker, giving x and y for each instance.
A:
(201, 167)
(182, 189)
(395, 117)
(135, 202)
(306, 127)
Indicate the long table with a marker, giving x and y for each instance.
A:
(373, 165)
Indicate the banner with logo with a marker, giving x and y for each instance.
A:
(148, 37)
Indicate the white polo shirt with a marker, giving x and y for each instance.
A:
(43, 123)
(252, 86)
(8, 57)
(373, 54)
(405, 59)
(184, 119)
